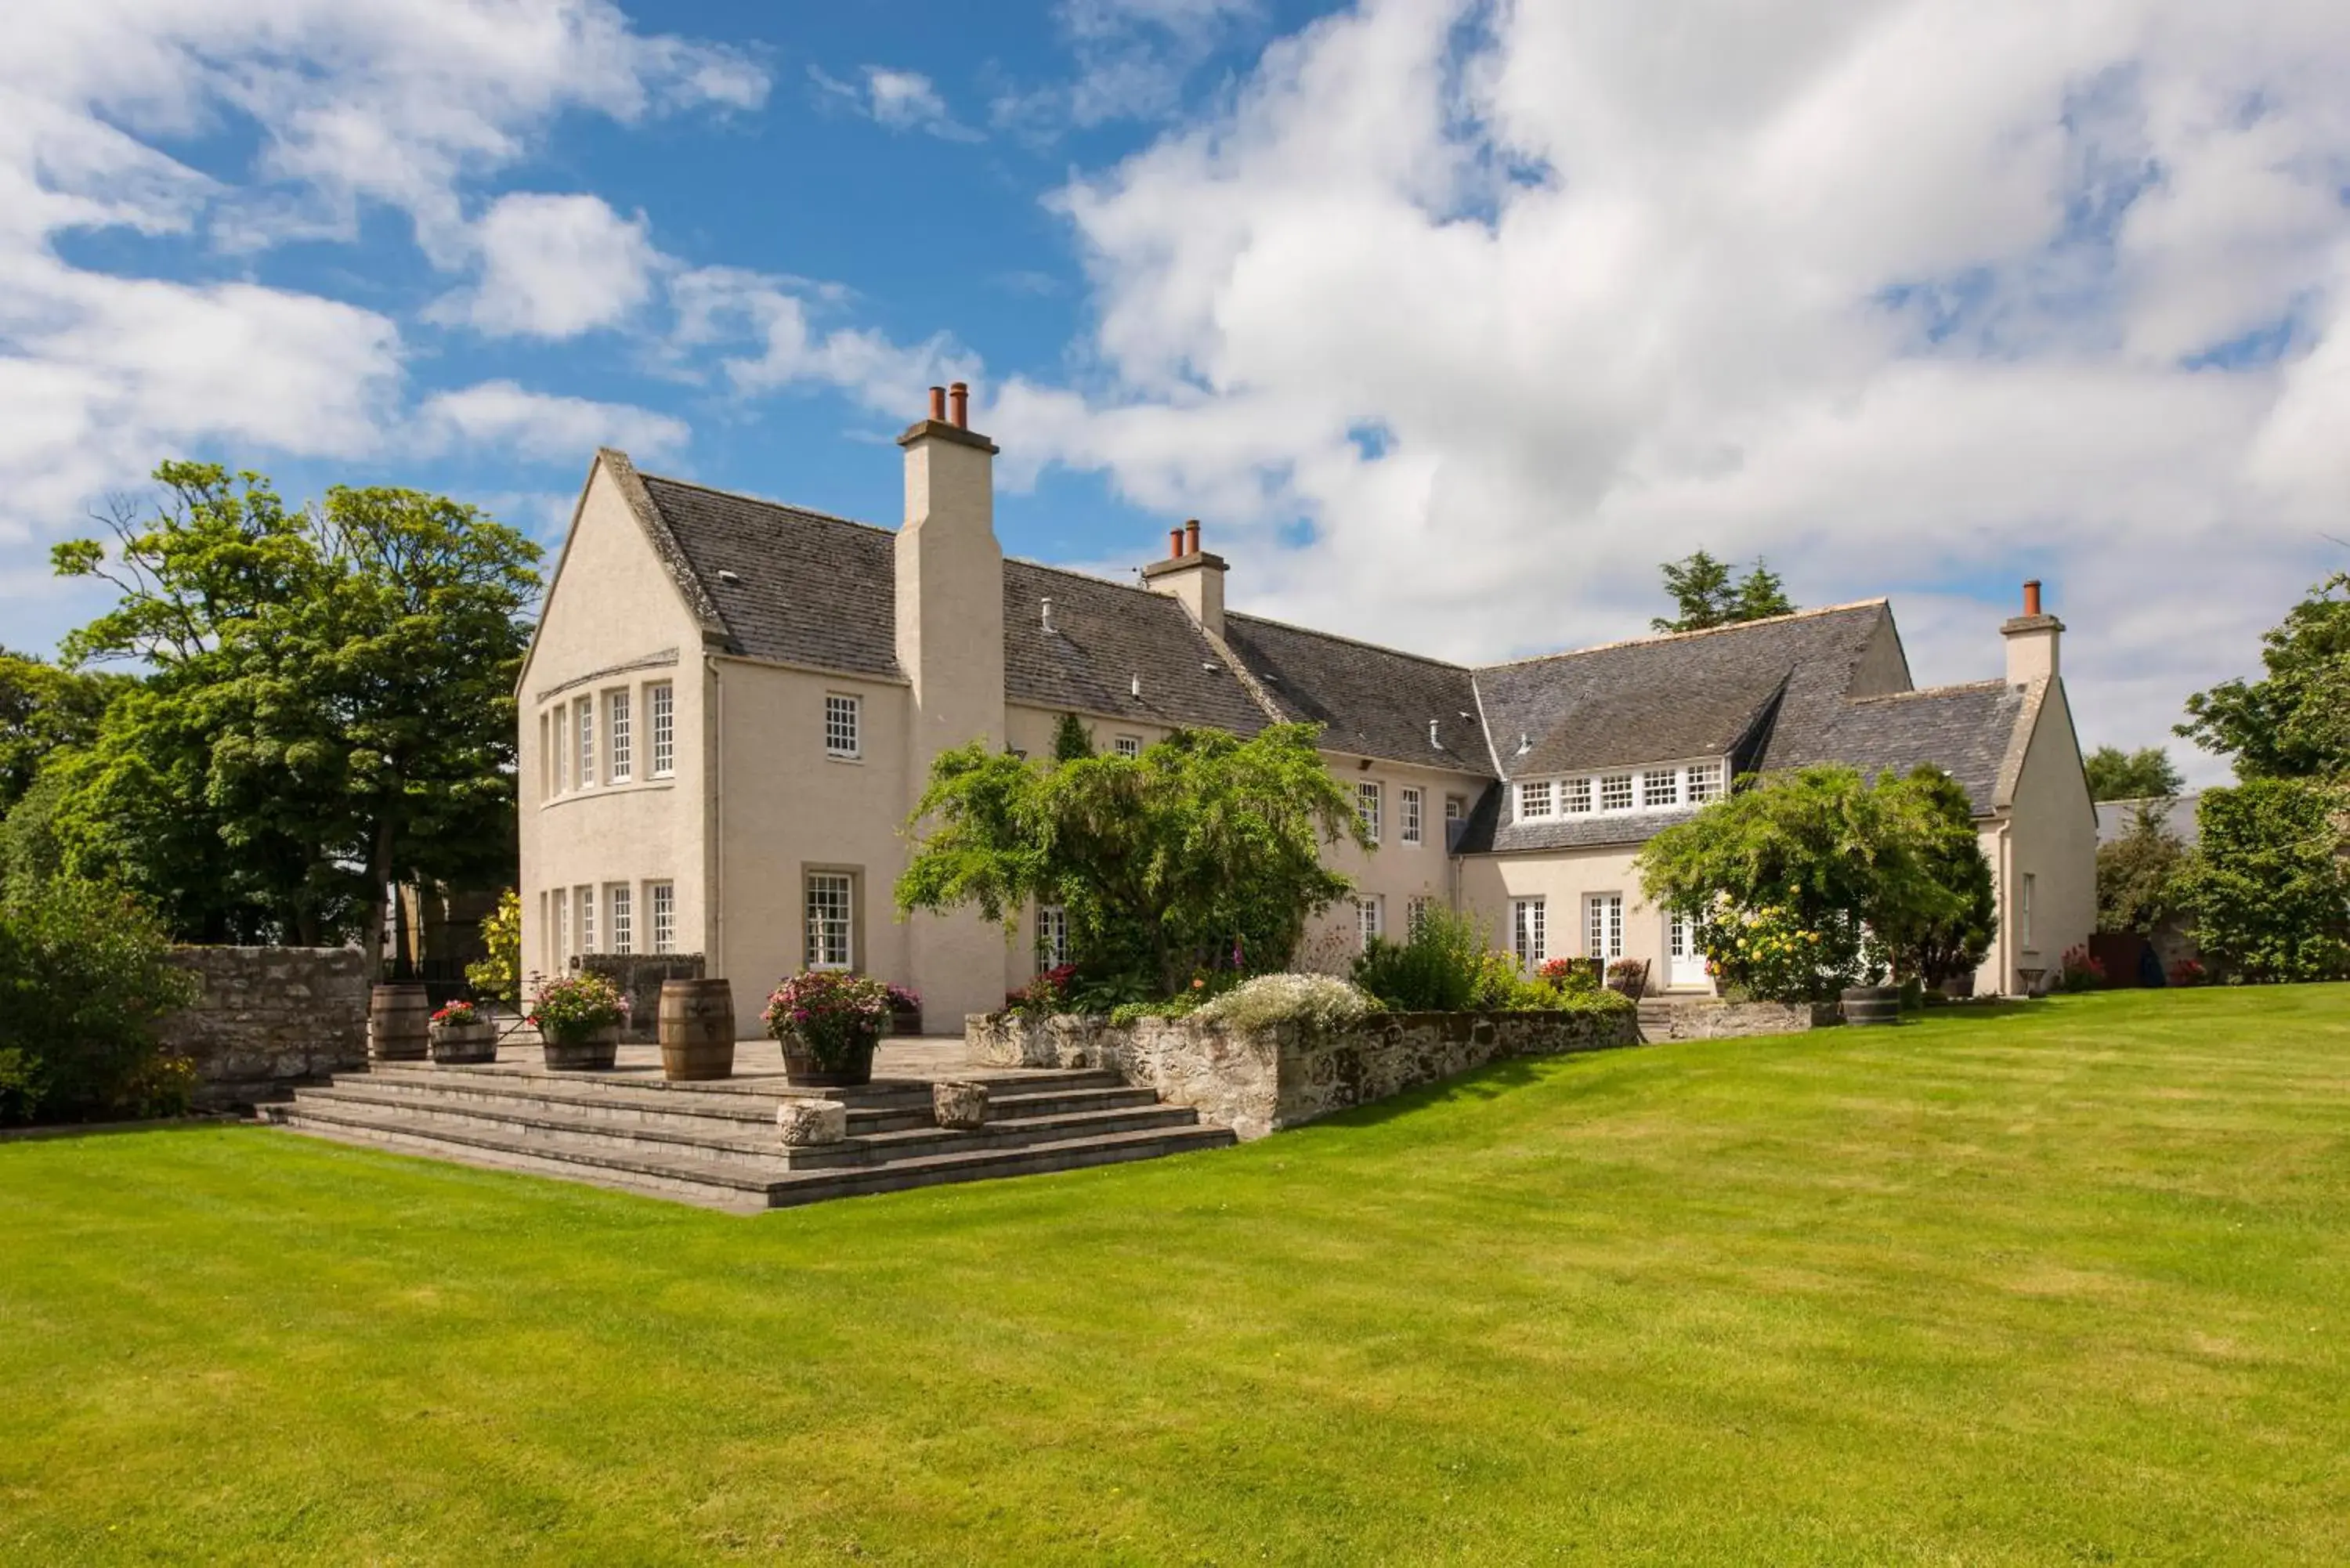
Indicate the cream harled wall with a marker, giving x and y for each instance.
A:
(603, 633)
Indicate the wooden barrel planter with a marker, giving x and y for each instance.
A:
(802, 1070)
(400, 1024)
(1867, 1004)
(595, 1052)
(697, 1030)
(455, 1045)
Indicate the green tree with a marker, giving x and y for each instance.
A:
(85, 971)
(1166, 863)
(1836, 856)
(1941, 929)
(2269, 887)
(43, 709)
(1072, 741)
(2146, 773)
(2139, 874)
(497, 976)
(1707, 595)
(2294, 723)
(330, 709)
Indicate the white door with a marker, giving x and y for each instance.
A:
(1684, 965)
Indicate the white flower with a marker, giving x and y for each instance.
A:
(1320, 1001)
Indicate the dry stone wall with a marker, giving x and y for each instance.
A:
(1725, 1019)
(1260, 1081)
(268, 1018)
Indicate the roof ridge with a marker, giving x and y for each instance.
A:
(1993, 683)
(1352, 642)
(1877, 603)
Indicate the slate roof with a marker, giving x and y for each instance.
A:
(1371, 702)
(802, 587)
(1962, 729)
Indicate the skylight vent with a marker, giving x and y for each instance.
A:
(729, 574)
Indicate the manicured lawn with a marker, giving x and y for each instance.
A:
(2065, 1285)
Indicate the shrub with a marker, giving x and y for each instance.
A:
(577, 1005)
(2187, 972)
(1046, 994)
(1126, 1012)
(85, 973)
(498, 975)
(1570, 977)
(1771, 955)
(1312, 1001)
(1434, 970)
(2267, 888)
(2079, 970)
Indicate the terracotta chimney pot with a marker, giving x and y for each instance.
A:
(1174, 544)
(2032, 596)
(1191, 537)
(939, 403)
(958, 406)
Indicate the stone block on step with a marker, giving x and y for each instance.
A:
(804, 1122)
(959, 1107)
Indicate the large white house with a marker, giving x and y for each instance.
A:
(731, 706)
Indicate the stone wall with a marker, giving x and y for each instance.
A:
(268, 1018)
(1712, 1020)
(1261, 1081)
(639, 978)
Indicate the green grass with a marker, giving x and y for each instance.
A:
(2067, 1283)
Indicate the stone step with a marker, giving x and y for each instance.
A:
(733, 1185)
(647, 1088)
(727, 1139)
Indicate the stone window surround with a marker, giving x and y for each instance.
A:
(844, 727)
(855, 878)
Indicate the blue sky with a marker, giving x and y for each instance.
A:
(1451, 318)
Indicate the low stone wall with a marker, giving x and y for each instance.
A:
(1723, 1020)
(1261, 1081)
(268, 1018)
(639, 978)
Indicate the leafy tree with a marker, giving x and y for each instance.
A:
(1939, 939)
(1072, 741)
(2146, 773)
(1835, 857)
(1204, 847)
(2139, 874)
(2294, 723)
(331, 707)
(2268, 887)
(44, 709)
(1707, 595)
(497, 976)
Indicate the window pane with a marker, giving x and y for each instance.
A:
(1616, 793)
(1410, 802)
(587, 707)
(1702, 778)
(1534, 798)
(1128, 745)
(662, 896)
(624, 923)
(828, 914)
(661, 699)
(1575, 796)
(618, 737)
(840, 714)
(1367, 798)
(1660, 786)
(585, 898)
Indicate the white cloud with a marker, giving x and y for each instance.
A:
(503, 416)
(1510, 304)
(554, 266)
(898, 99)
(719, 308)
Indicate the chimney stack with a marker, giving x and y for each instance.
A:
(1192, 576)
(2033, 640)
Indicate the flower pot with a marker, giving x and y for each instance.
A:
(593, 1052)
(456, 1043)
(851, 1070)
(1868, 1004)
(905, 1024)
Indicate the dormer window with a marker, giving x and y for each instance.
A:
(1660, 787)
(1704, 782)
(1616, 791)
(1576, 797)
(1535, 799)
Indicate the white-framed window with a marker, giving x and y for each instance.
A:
(584, 900)
(585, 709)
(1128, 745)
(660, 899)
(1407, 806)
(1052, 935)
(561, 751)
(546, 762)
(1534, 799)
(1704, 782)
(1574, 798)
(624, 916)
(619, 737)
(1660, 787)
(1370, 917)
(841, 713)
(1528, 938)
(561, 928)
(2023, 913)
(1368, 796)
(1616, 791)
(830, 911)
(1415, 914)
(1605, 925)
(1456, 807)
(660, 703)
